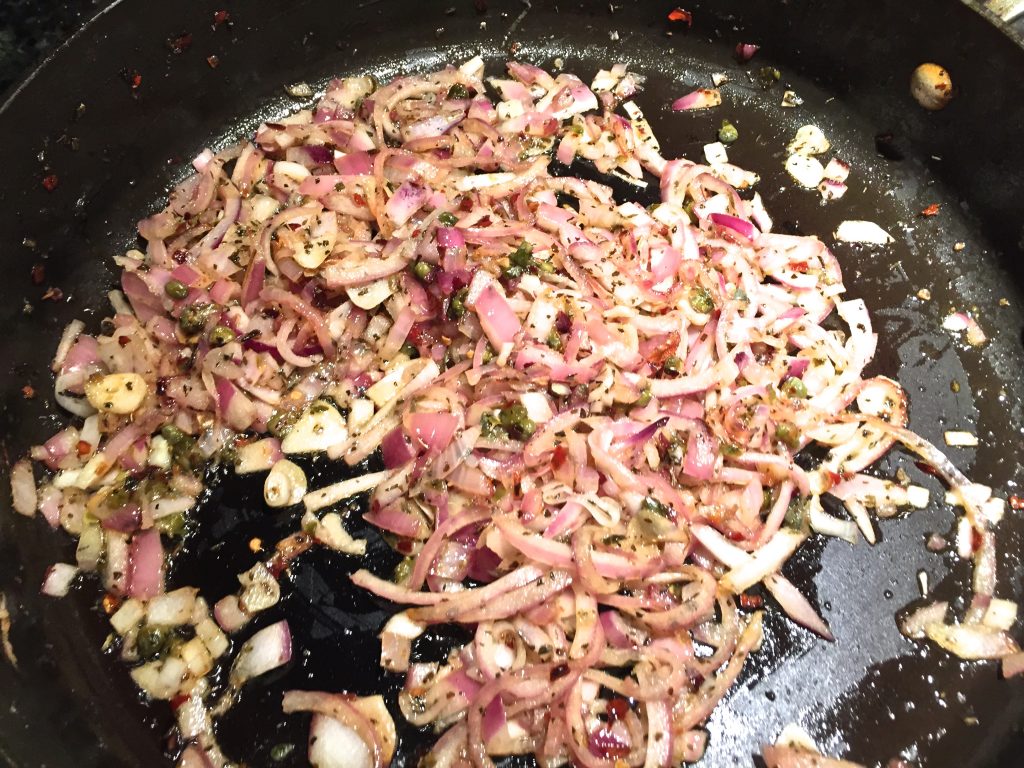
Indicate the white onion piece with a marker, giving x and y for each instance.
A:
(824, 523)
(172, 609)
(959, 438)
(258, 456)
(972, 641)
(764, 561)
(58, 579)
(914, 623)
(265, 651)
(372, 294)
(795, 757)
(866, 232)
(335, 745)
(809, 140)
(330, 531)
(806, 171)
(1000, 614)
(71, 333)
(332, 494)
(23, 488)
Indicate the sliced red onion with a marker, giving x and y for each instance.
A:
(498, 320)
(58, 580)
(702, 98)
(745, 51)
(265, 651)
(145, 568)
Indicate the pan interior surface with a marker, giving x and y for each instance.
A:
(872, 695)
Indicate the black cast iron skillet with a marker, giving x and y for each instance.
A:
(115, 148)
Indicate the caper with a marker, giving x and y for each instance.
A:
(787, 433)
(172, 525)
(490, 427)
(404, 570)
(176, 289)
(645, 397)
(675, 453)
(458, 91)
(172, 434)
(281, 423)
(447, 219)
(423, 271)
(554, 340)
(281, 751)
(193, 317)
(457, 304)
(221, 335)
(727, 134)
(517, 422)
(794, 388)
(701, 300)
(673, 366)
(152, 641)
(651, 504)
(409, 351)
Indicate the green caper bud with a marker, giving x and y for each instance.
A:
(172, 434)
(193, 318)
(794, 388)
(457, 304)
(787, 433)
(673, 366)
(727, 134)
(221, 335)
(423, 270)
(700, 300)
(152, 641)
(176, 289)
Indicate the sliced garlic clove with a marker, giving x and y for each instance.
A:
(285, 484)
(372, 294)
(320, 427)
(323, 234)
(119, 393)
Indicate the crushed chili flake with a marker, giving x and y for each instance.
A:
(111, 603)
(1016, 502)
(931, 210)
(180, 43)
(221, 17)
(84, 447)
(38, 274)
(751, 601)
(678, 14)
(359, 200)
(53, 294)
(28, 392)
(213, 61)
(132, 76)
(50, 182)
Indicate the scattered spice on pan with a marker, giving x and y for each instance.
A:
(213, 61)
(38, 273)
(50, 182)
(180, 42)
(28, 392)
(930, 210)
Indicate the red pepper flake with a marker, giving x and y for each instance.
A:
(466, 204)
(28, 392)
(678, 14)
(50, 182)
(359, 200)
(132, 76)
(111, 603)
(221, 17)
(931, 210)
(1016, 503)
(53, 294)
(750, 601)
(38, 274)
(177, 701)
(84, 447)
(559, 457)
(213, 61)
(180, 43)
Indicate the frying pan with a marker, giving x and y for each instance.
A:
(115, 149)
